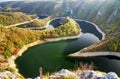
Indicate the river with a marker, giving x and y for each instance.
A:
(52, 56)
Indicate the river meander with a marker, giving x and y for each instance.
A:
(52, 56)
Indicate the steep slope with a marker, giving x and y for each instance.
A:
(37, 23)
(98, 11)
(10, 18)
(105, 13)
(29, 7)
(13, 39)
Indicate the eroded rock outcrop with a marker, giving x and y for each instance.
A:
(88, 74)
(10, 75)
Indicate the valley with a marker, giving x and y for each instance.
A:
(58, 34)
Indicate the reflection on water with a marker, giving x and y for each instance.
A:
(51, 56)
(106, 64)
(85, 40)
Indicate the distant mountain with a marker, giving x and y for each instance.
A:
(98, 11)
(10, 0)
(25, 0)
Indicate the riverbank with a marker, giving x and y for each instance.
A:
(46, 40)
(93, 54)
(98, 28)
(36, 43)
(61, 38)
(11, 60)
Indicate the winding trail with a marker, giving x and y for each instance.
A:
(32, 28)
(11, 60)
(21, 23)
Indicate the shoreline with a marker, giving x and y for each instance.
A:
(93, 54)
(96, 26)
(11, 60)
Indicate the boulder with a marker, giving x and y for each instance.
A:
(37, 78)
(7, 75)
(89, 74)
(111, 75)
(63, 73)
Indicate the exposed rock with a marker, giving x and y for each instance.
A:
(37, 78)
(111, 17)
(63, 73)
(9, 75)
(111, 75)
(99, 14)
(90, 74)
(34, 78)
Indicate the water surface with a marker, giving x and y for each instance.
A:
(52, 56)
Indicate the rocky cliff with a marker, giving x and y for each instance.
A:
(89, 74)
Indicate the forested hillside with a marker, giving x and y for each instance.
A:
(37, 23)
(10, 18)
(105, 13)
(13, 39)
(98, 11)
(42, 7)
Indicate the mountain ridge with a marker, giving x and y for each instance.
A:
(100, 12)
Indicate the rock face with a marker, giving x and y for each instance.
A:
(94, 75)
(110, 75)
(63, 73)
(9, 75)
(89, 74)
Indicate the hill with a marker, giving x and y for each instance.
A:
(102, 12)
(105, 13)
(13, 39)
(10, 18)
(37, 23)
